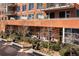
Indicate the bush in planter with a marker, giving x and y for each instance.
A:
(36, 44)
(64, 51)
(44, 44)
(77, 50)
(68, 50)
(3, 35)
(29, 40)
(52, 46)
(55, 46)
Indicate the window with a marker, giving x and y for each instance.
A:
(31, 6)
(51, 15)
(18, 8)
(64, 14)
(72, 36)
(67, 14)
(31, 16)
(23, 7)
(50, 5)
(39, 5)
(62, 4)
(77, 12)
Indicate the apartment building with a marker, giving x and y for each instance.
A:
(2, 11)
(47, 21)
(7, 11)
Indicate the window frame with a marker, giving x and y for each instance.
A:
(31, 6)
(24, 7)
(39, 5)
(18, 8)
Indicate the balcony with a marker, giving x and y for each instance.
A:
(54, 6)
(10, 13)
(11, 4)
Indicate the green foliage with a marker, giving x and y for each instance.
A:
(55, 46)
(66, 50)
(44, 44)
(35, 43)
(3, 35)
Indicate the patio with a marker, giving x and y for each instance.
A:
(15, 49)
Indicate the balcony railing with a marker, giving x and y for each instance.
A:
(56, 6)
(48, 18)
(10, 13)
(11, 4)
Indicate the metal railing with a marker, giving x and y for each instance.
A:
(10, 12)
(48, 18)
(59, 5)
(70, 5)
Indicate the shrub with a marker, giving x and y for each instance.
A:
(55, 46)
(64, 51)
(77, 50)
(44, 44)
(36, 44)
(67, 49)
(52, 46)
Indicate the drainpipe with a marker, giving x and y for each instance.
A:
(63, 35)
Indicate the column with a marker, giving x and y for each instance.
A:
(63, 35)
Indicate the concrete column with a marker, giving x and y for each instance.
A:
(63, 35)
(6, 8)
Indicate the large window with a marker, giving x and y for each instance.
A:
(18, 8)
(51, 15)
(77, 12)
(39, 5)
(23, 7)
(67, 14)
(64, 14)
(72, 36)
(31, 16)
(31, 6)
